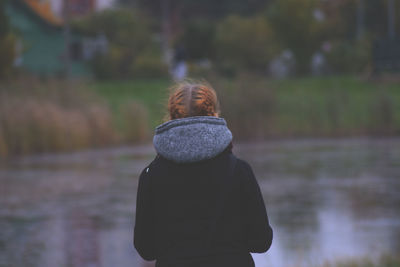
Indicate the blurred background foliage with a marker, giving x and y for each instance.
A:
(292, 68)
(237, 36)
(7, 44)
(244, 43)
(132, 51)
(217, 30)
(302, 33)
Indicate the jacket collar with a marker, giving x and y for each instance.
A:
(192, 139)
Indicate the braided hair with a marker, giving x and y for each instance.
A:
(189, 99)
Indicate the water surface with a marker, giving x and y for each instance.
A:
(327, 200)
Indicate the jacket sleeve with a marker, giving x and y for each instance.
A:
(144, 222)
(258, 232)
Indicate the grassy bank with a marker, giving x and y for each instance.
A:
(151, 94)
(329, 106)
(37, 116)
(259, 108)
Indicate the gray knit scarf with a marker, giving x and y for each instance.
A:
(192, 139)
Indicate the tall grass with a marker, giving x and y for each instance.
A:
(332, 106)
(54, 116)
(152, 94)
(40, 116)
(247, 106)
(135, 120)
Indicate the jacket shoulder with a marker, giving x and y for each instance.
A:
(150, 168)
(243, 166)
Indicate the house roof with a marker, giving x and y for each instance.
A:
(43, 10)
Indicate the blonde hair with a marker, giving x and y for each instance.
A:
(189, 99)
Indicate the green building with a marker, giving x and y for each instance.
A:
(41, 46)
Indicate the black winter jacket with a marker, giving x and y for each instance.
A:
(177, 223)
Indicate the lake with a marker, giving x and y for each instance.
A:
(327, 199)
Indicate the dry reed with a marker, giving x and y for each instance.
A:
(136, 121)
(51, 116)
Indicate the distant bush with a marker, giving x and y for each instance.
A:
(149, 65)
(201, 69)
(297, 29)
(130, 37)
(198, 39)
(243, 43)
(7, 45)
(349, 56)
(110, 66)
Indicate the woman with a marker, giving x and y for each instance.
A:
(197, 204)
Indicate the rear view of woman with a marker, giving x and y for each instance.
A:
(197, 204)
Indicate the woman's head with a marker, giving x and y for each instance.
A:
(189, 99)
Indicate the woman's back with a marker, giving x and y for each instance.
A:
(198, 205)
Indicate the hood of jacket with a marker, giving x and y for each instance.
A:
(192, 139)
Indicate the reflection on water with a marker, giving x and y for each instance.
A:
(327, 200)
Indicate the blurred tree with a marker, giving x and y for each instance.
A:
(4, 25)
(202, 9)
(198, 39)
(127, 3)
(299, 27)
(346, 56)
(338, 27)
(340, 18)
(350, 51)
(7, 44)
(121, 27)
(377, 17)
(129, 35)
(244, 43)
(173, 15)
